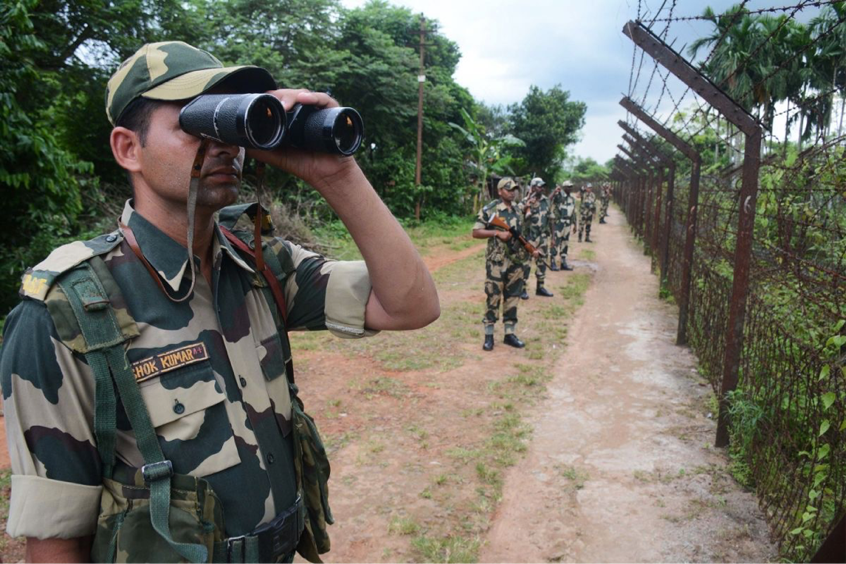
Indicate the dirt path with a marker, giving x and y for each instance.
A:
(591, 444)
(620, 468)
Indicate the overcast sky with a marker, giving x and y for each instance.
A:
(509, 45)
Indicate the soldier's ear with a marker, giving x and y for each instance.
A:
(126, 146)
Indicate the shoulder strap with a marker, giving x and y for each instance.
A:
(272, 271)
(103, 345)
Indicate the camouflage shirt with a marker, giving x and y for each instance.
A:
(537, 228)
(497, 249)
(588, 204)
(563, 206)
(210, 369)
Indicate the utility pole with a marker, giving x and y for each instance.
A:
(421, 78)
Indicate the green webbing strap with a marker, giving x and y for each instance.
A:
(100, 330)
(104, 342)
(241, 549)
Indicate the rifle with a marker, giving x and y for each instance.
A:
(499, 223)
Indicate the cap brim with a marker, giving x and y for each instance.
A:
(250, 79)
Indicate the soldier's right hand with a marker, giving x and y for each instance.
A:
(503, 235)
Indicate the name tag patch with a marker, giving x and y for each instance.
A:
(169, 360)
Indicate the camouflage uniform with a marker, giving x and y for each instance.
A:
(211, 371)
(604, 200)
(564, 211)
(537, 233)
(503, 266)
(586, 211)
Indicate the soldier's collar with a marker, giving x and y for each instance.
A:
(166, 256)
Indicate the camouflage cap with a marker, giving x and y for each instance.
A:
(507, 183)
(537, 181)
(174, 70)
(568, 183)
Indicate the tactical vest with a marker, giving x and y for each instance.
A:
(163, 516)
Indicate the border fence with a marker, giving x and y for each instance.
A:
(732, 172)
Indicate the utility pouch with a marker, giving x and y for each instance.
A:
(124, 528)
(312, 467)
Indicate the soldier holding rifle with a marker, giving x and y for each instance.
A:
(504, 260)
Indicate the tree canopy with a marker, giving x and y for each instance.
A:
(56, 168)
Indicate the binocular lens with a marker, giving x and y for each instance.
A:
(259, 121)
(347, 132)
(265, 123)
(247, 120)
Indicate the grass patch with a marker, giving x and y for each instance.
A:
(385, 386)
(576, 477)
(587, 254)
(403, 526)
(335, 238)
(446, 549)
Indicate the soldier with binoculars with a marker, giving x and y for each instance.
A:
(150, 405)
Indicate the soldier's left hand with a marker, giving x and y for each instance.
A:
(313, 167)
(536, 254)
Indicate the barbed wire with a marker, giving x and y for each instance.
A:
(663, 36)
(815, 3)
(720, 39)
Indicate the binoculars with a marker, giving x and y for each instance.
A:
(259, 121)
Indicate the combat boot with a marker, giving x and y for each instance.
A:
(587, 239)
(565, 266)
(524, 295)
(489, 342)
(580, 237)
(512, 341)
(541, 291)
(553, 266)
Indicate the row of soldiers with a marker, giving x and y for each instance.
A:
(545, 223)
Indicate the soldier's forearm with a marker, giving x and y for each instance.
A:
(484, 233)
(58, 550)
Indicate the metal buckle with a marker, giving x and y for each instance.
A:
(229, 542)
(157, 470)
(275, 535)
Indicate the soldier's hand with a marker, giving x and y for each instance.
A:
(503, 235)
(536, 254)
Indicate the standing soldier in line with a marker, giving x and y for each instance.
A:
(586, 211)
(564, 212)
(536, 209)
(503, 262)
(604, 200)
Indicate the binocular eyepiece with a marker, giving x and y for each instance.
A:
(259, 121)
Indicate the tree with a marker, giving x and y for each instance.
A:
(581, 170)
(547, 122)
(39, 178)
(488, 154)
